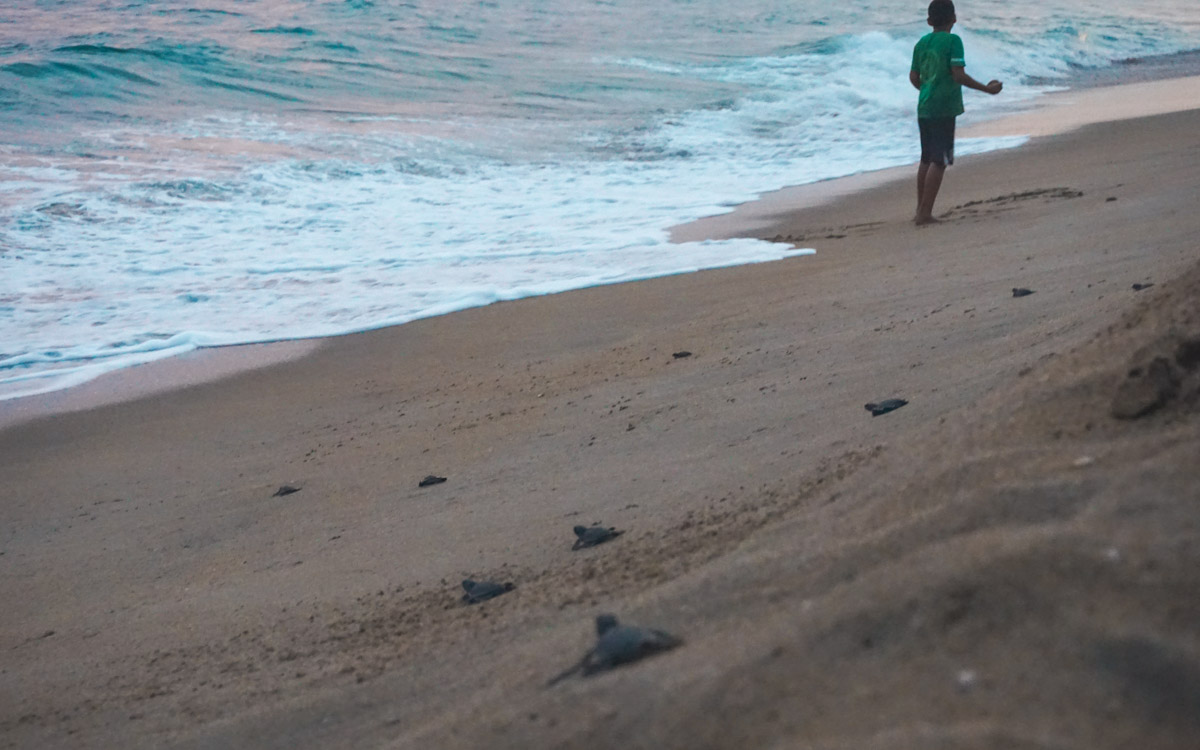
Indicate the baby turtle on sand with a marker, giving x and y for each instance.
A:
(481, 591)
(590, 536)
(1022, 292)
(618, 644)
(431, 480)
(883, 407)
(286, 489)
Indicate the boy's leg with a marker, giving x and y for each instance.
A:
(937, 152)
(929, 191)
(922, 170)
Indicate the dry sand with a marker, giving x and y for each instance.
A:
(1069, 110)
(1000, 564)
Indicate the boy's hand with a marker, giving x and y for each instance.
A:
(993, 87)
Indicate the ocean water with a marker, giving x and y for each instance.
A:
(186, 173)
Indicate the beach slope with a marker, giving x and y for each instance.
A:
(1008, 561)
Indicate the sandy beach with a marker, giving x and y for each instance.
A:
(1011, 560)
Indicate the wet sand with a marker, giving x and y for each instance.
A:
(1000, 563)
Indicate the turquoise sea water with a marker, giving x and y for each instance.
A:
(205, 172)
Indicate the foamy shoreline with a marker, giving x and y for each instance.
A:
(1052, 114)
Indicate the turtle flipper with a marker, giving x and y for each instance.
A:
(662, 641)
(580, 666)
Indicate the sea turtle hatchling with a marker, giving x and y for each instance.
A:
(481, 591)
(618, 644)
(590, 536)
(885, 406)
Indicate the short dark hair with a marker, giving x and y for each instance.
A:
(941, 12)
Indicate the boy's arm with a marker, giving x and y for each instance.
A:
(914, 71)
(960, 76)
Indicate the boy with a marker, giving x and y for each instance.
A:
(937, 71)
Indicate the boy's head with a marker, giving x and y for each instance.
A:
(941, 13)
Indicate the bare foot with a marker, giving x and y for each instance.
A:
(922, 221)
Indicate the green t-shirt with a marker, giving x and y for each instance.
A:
(933, 57)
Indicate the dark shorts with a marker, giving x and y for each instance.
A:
(937, 140)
